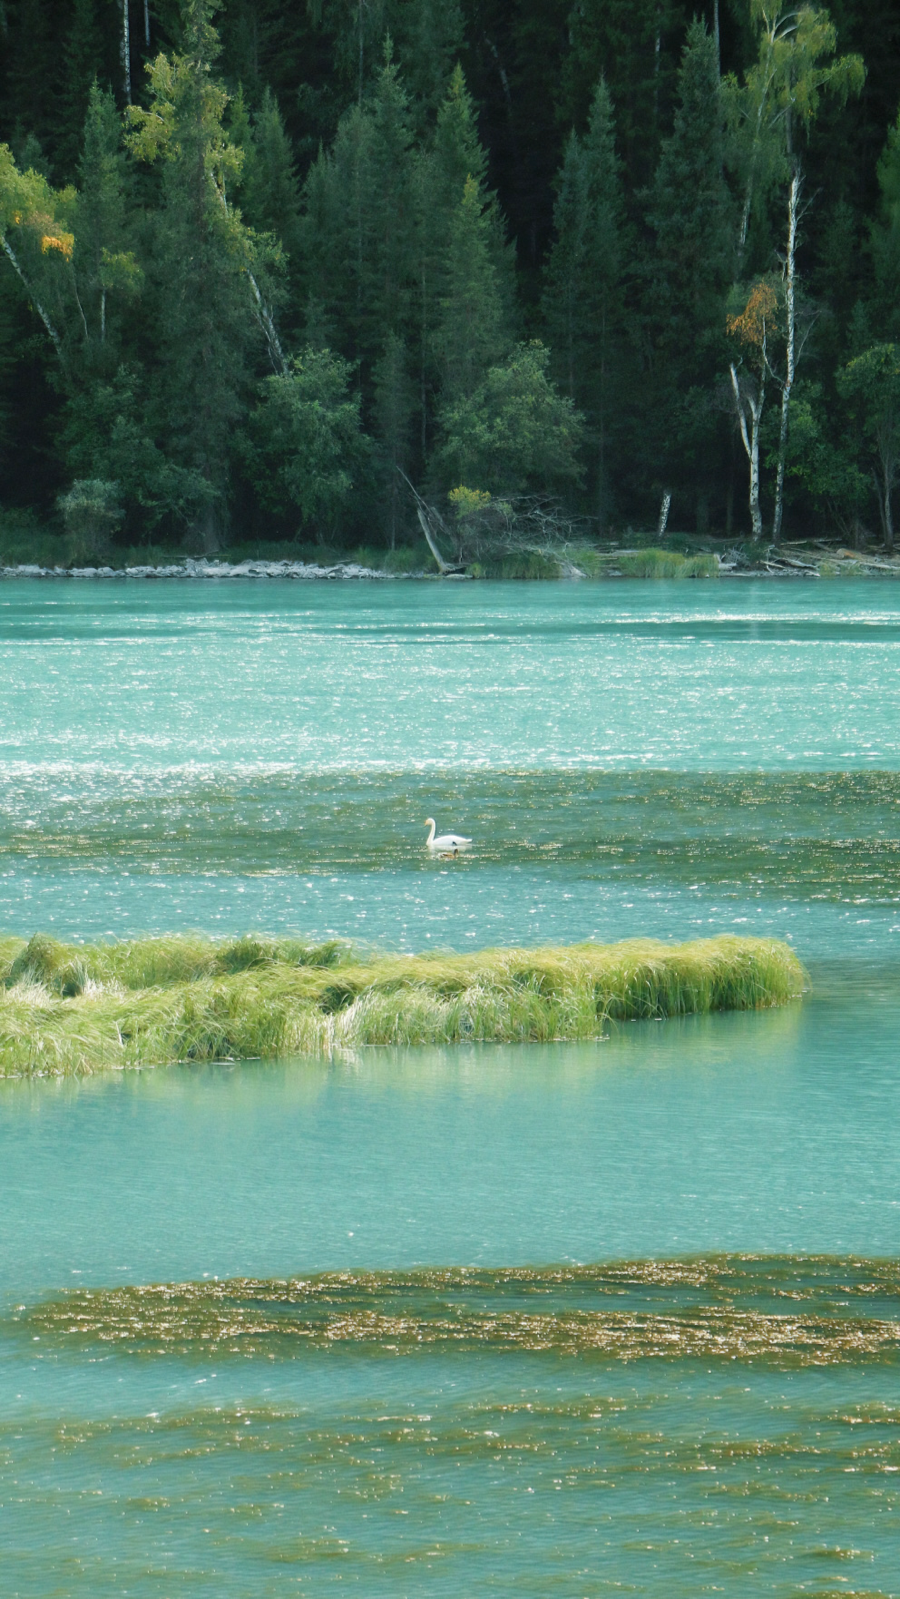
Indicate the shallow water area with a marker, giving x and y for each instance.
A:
(741, 1132)
(636, 758)
(219, 1460)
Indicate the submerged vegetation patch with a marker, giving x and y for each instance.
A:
(829, 835)
(78, 1008)
(791, 1310)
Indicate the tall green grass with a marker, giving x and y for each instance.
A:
(667, 563)
(68, 1008)
(527, 565)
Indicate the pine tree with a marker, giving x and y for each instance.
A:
(333, 230)
(441, 172)
(395, 403)
(86, 58)
(690, 213)
(457, 149)
(429, 37)
(583, 299)
(201, 273)
(105, 267)
(387, 278)
(471, 333)
(885, 241)
(565, 295)
(692, 221)
(458, 155)
(269, 190)
(358, 226)
(632, 45)
(469, 262)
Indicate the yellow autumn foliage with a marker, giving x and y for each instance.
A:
(63, 242)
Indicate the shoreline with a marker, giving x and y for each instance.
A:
(190, 568)
(840, 563)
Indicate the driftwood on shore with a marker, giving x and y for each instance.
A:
(431, 523)
(558, 557)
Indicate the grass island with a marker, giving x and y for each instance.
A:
(67, 1008)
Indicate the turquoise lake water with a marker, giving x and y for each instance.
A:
(633, 758)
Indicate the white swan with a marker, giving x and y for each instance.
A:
(449, 841)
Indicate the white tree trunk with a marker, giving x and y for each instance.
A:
(888, 469)
(263, 314)
(745, 403)
(33, 297)
(790, 294)
(664, 513)
(429, 539)
(264, 317)
(424, 514)
(126, 50)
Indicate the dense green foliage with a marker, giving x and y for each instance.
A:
(271, 259)
(70, 1008)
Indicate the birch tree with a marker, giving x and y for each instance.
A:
(37, 241)
(753, 328)
(125, 48)
(770, 114)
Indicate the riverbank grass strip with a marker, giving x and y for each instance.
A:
(81, 1008)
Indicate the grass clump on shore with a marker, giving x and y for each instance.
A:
(68, 1008)
(519, 565)
(666, 563)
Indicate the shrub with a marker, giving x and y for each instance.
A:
(92, 513)
(516, 431)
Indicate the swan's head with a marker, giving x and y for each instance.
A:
(429, 822)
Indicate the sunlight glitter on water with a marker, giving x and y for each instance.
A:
(569, 676)
(633, 759)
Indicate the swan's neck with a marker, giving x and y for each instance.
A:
(430, 838)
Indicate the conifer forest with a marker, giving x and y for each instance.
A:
(293, 272)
